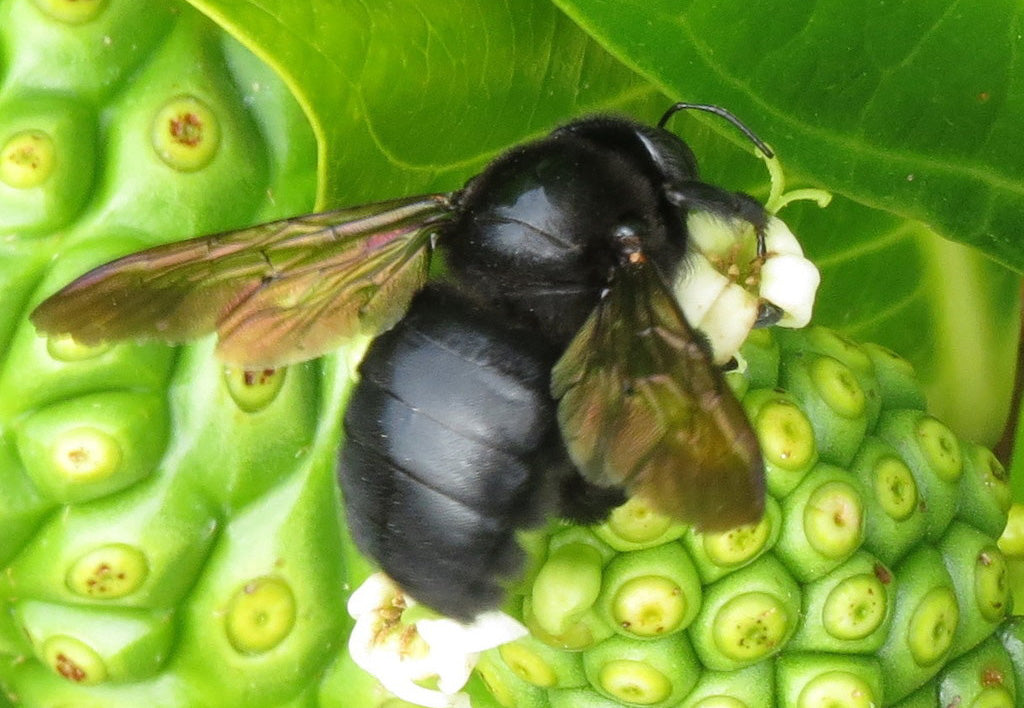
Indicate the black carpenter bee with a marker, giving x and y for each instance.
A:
(550, 372)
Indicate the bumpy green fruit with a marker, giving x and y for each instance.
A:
(169, 531)
(874, 578)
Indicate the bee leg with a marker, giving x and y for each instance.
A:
(699, 196)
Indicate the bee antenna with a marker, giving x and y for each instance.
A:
(721, 112)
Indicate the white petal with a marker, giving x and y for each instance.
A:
(728, 322)
(398, 674)
(711, 234)
(455, 646)
(790, 282)
(449, 649)
(360, 644)
(489, 629)
(405, 689)
(376, 591)
(698, 286)
(741, 363)
(778, 239)
(452, 676)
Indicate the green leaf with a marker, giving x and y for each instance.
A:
(914, 108)
(409, 96)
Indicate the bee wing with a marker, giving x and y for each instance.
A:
(276, 293)
(642, 406)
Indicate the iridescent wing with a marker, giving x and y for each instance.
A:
(642, 406)
(276, 293)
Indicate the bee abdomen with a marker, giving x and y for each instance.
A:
(449, 437)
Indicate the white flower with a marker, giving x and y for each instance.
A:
(788, 280)
(402, 654)
(724, 284)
